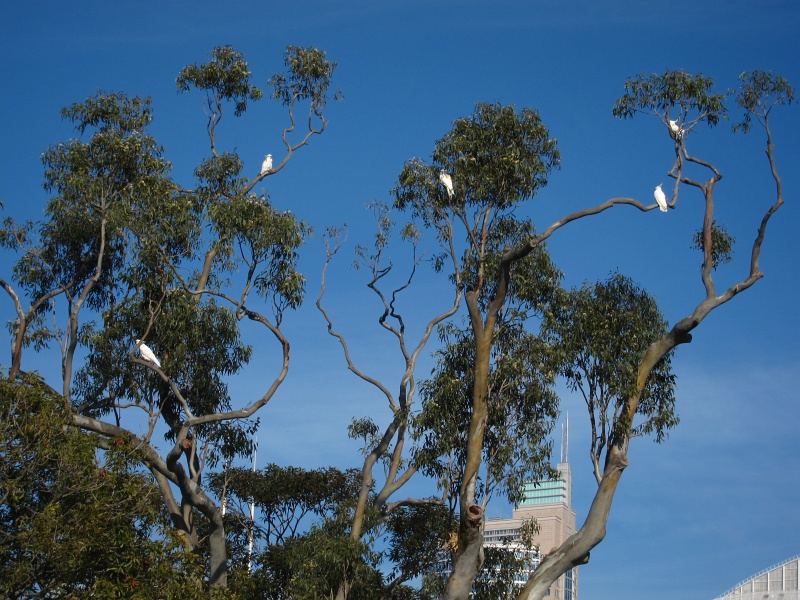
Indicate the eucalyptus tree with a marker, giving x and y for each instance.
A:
(675, 95)
(126, 253)
(50, 481)
(498, 159)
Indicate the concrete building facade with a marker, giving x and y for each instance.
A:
(550, 503)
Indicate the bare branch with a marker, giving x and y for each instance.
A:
(330, 253)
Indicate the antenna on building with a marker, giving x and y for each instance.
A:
(565, 440)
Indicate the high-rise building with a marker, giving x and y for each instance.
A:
(550, 504)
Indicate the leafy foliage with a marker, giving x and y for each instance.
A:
(125, 254)
(721, 244)
(760, 92)
(310, 566)
(522, 411)
(307, 77)
(417, 534)
(73, 527)
(522, 407)
(287, 497)
(599, 333)
(497, 158)
(225, 78)
(687, 95)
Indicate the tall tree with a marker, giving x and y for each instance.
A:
(499, 158)
(687, 100)
(128, 254)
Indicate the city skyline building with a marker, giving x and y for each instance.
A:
(549, 502)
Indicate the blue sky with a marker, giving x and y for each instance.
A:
(693, 516)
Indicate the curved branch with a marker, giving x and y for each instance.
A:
(255, 406)
(575, 550)
(290, 148)
(148, 454)
(253, 316)
(331, 252)
(521, 251)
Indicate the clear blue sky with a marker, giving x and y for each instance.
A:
(715, 503)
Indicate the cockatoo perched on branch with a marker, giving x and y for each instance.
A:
(148, 354)
(267, 164)
(447, 182)
(660, 198)
(675, 128)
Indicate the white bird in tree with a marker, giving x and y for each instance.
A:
(148, 354)
(675, 128)
(267, 164)
(660, 198)
(447, 182)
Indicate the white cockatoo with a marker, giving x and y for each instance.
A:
(676, 129)
(660, 198)
(447, 182)
(267, 164)
(148, 354)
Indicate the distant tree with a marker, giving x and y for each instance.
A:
(298, 519)
(126, 254)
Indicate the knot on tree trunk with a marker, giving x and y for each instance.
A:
(471, 527)
(475, 515)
